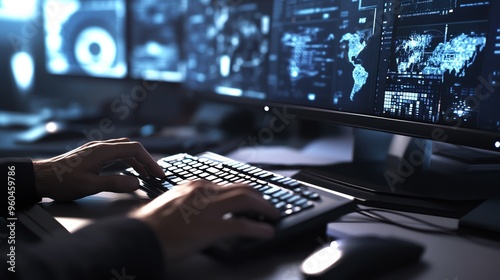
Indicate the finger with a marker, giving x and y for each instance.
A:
(109, 152)
(90, 146)
(201, 187)
(234, 187)
(115, 183)
(137, 166)
(244, 200)
(248, 228)
(203, 184)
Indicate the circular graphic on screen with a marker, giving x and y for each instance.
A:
(95, 50)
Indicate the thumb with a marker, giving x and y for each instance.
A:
(118, 183)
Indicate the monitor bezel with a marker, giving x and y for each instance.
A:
(474, 138)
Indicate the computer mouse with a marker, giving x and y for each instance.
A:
(360, 257)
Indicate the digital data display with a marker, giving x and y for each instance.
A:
(157, 36)
(85, 37)
(440, 64)
(228, 46)
(425, 61)
(325, 53)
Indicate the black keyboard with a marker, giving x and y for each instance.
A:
(302, 206)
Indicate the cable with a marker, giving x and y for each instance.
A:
(375, 214)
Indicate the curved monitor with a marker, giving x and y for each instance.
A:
(428, 69)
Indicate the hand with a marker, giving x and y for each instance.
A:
(75, 174)
(190, 217)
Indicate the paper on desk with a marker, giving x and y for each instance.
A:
(320, 152)
(333, 149)
(272, 155)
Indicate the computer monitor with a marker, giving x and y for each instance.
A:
(419, 69)
(156, 40)
(16, 56)
(426, 69)
(398, 66)
(139, 39)
(228, 46)
(85, 37)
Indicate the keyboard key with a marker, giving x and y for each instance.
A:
(265, 175)
(280, 193)
(255, 171)
(307, 205)
(167, 185)
(213, 170)
(176, 180)
(286, 196)
(313, 196)
(287, 212)
(300, 202)
(272, 190)
(204, 174)
(264, 188)
(259, 187)
(262, 182)
(280, 205)
(293, 184)
(211, 178)
(306, 193)
(276, 178)
(293, 199)
(249, 169)
(284, 180)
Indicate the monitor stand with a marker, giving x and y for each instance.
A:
(403, 173)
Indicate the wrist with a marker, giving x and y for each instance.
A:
(153, 224)
(42, 171)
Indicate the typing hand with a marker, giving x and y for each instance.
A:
(188, 218)
(75, 174)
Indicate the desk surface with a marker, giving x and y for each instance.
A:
(446, 257)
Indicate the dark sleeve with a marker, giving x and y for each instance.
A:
(23, 190)
(119, 248)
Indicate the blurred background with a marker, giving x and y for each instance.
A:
(77, 70)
